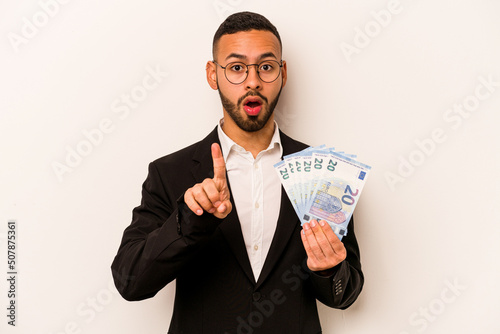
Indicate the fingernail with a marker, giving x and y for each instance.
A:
(199, 212)
(321, 222)
(313, 223)
(306, 226)
(216, 204)
(212, 210)
(221, 208)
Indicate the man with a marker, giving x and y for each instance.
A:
(218, 221)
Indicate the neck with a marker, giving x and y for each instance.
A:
(254, 142)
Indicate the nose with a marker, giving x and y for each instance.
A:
(253, 80)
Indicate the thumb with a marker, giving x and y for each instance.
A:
(219, 164)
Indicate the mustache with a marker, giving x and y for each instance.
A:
(252, 93)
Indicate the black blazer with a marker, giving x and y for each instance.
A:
(215, 288)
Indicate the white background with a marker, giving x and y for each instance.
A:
(437, 225)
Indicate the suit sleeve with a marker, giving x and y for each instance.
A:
(342, 287)
(162, 238)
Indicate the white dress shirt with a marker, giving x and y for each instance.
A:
(256, 190)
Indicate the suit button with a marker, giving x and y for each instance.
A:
(256, 296)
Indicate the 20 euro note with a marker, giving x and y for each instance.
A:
(289, 171)
(288, 184)
(299, 165)
(322, 162)
(337, 191)
(319, 163)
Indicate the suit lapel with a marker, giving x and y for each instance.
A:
(287, 219)
(287, 222)
(230, 227)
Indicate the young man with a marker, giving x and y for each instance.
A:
(214, 216)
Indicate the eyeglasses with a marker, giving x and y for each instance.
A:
(237, 72)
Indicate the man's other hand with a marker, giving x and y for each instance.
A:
(324, 249)
(212, 195)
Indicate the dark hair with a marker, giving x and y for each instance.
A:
(243, 21)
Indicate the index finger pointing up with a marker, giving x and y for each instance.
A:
(219, 164)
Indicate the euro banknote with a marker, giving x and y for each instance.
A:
(323, 184)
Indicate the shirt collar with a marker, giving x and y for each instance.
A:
(227, 144)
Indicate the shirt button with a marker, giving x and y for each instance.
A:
(255, 247)
(256, 205)
(256, 166)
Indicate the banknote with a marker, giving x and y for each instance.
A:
(323, 183)
(284, 175)
(299, 165)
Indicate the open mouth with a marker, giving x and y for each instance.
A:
(252, 106)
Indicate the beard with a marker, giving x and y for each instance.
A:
(246, 122)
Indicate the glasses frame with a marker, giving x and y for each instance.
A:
(280, 63)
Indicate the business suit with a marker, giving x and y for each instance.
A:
(216, 291)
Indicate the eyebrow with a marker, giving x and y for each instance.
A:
(241, 57)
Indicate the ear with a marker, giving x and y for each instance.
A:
(283, 74)
(212, 74)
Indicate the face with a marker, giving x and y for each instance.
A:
(250, 104)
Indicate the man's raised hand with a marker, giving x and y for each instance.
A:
(212, 195)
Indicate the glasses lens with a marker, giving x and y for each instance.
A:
(269, 70)
(236, 72)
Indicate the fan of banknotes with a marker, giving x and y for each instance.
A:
(323, 183)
